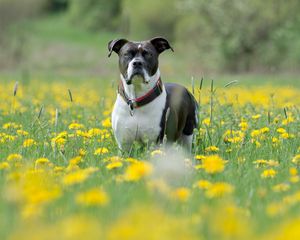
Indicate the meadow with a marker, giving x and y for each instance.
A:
(63, 177)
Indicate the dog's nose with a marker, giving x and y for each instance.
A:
(137, 63)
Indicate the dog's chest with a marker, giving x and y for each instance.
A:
(142, 125)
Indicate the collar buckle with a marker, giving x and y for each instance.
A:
(132, 104)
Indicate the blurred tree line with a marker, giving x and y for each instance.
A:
(231, 35)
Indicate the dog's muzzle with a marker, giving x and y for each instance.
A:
(137, 72)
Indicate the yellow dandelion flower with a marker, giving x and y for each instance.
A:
(287, 136)
(288, 120)
(255, 117)
(82, 152)
(219, 189)
(272, 163)
(296, 159)
(76, 126)
(14, 157)
(213, 164)
(4, 165)
(29, 142)
(264, 130)
(96, 132)
(255, 133)
(59, 140)
(181, 194)
(228, 150)
(113, 165)
(78, 176)
(200, 157)
(75, 160)
(275, 140)
(206, 121)
(11, 125)
(282, 187)
(113, 159)
(92, 197)
(212, 149)
(198, 166)
(58, 169)
(293, 171)
(22, 132)
(100, 151)
(281, 130)
(243, 125)
(42, 161)
(202, 184)
(294, 179)
(138, 170)
(257, 144)
(268, 173)
(106, 123)
(83, 134)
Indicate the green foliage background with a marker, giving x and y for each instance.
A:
(222, 35)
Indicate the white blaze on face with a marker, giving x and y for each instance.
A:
(131, 68)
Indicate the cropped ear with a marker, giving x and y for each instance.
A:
(161, 44)
(115, 45)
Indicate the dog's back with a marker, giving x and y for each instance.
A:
(181, 119)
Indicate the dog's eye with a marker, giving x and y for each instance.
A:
(129, 54)
(146, 54)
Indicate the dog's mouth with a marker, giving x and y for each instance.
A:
(137, 75)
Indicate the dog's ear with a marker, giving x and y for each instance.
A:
(161, 44)
(115, 45)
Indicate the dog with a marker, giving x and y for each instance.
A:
(146, 110)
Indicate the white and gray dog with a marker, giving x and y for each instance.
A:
(146, 110)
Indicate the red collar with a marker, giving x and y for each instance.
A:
(143, 100)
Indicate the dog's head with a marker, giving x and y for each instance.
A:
(138, 59)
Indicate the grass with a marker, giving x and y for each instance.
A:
(72, 174)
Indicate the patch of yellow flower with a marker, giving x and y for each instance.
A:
(181, 194)
(100, 151)
(29, 142)
(212, 164)
(114, 165)
(218, 189)
(138, 170)
(78, 176)
(14, 157)
(106, 123)
(92, 197)
(268, 173)
(212, 149)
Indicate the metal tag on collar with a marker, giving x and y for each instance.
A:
(131, 106)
